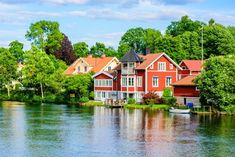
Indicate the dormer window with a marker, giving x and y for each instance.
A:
(184, 67)
(171, 66)
(109, 68)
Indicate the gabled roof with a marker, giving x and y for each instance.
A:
(193, 65)
(109, 74)
(186, 81)
(131, 56)
(151, 58)
(97, 64)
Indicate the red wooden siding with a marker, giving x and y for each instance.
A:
(187, 91)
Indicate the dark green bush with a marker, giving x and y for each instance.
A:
(169, 100)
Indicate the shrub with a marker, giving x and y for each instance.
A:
(131, 101)
(152, 98)
(169, 100)
(92, 95)
(167, 93)
(36, 98)
(83, 99)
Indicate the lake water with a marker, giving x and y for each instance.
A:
(63, 131)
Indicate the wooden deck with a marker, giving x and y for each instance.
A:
(114, 103)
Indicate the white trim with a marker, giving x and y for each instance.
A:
(167, 58)
(146, 82)
(104, 84)
(102, 72)
(114, 58)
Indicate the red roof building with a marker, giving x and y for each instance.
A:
(190, 67)
(135, 76)
(88, 64)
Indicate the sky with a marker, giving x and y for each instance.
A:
(105, 20)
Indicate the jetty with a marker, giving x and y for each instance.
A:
(114, 103)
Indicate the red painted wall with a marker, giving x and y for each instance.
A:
(103, 76)
(161, 75)
(188, 91)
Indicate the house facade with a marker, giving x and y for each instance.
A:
(92, 64)
(135, 76)
(185, 91)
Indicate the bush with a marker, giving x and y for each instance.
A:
(36, 98)
(83, 99)
(92, 95)
(152, 98)
(131, 101)
(167, 93)
(169, 100)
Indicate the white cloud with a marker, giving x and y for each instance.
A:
(66, 1)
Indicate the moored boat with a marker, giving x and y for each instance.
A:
(182, 111)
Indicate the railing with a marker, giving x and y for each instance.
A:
(128, 71)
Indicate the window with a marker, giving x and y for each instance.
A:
(124, 81)
(109, 68)
(130, 81)
(155, 81)
(152, 66)
(103, 95)
(184, 67)
(168, 80)
(103, 83)
(161, 66)
(139, 81)
(171, 66)
(98, 94)
(78, 68)
(85, 68)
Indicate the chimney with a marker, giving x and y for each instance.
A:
(147, 51)
(89, 56)
(103, 56)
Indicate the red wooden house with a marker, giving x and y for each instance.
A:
(136, 75)
(190, 67)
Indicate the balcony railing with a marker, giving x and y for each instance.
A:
(128, 71)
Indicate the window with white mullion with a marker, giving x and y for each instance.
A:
(168, 80)
(155, 81)
(161, 66)
(139, 81)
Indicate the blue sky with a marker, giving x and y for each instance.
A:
(105, 20)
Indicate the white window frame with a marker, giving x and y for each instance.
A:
(139, 81)
(103, 82)
(78, 69)
(130, 81)
(155, 84)
(168, 83)
(152, 66)
(171, 66)
(161, 66)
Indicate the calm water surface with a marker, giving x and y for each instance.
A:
(63, 131)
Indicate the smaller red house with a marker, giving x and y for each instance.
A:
(190, 67)
(185, 91)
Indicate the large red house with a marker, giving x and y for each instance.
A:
(136, 75)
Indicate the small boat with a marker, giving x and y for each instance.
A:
(182, 111)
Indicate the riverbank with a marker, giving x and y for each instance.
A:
(155, 106)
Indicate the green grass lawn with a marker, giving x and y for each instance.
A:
(94, 103)
(155, 106)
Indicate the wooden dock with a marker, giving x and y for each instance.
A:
(114, 103)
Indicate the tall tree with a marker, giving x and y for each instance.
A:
(217, 40)
(45, 34)
(183, 25)
(232, 31)
(98, 49)
(216, 83)
(81, 49)
(65, 52)
(134, 38)
(16, 49)
(38, 69)
(151, 36)
(8, 66)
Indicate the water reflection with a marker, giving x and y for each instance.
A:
(60, 130)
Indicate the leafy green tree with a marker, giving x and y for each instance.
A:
(122, 50)
(16, 49)
(150, 38)
(111, 52)
(134, 38)
(45, 34)
(232, 31)
(81, 49)
(217, 41)
(183, 25)
(79, 84)
(8, 69)
(38, 69)
(98, 49)
(216, 83)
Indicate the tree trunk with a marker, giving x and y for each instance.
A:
(8, 90)
(41, 90)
